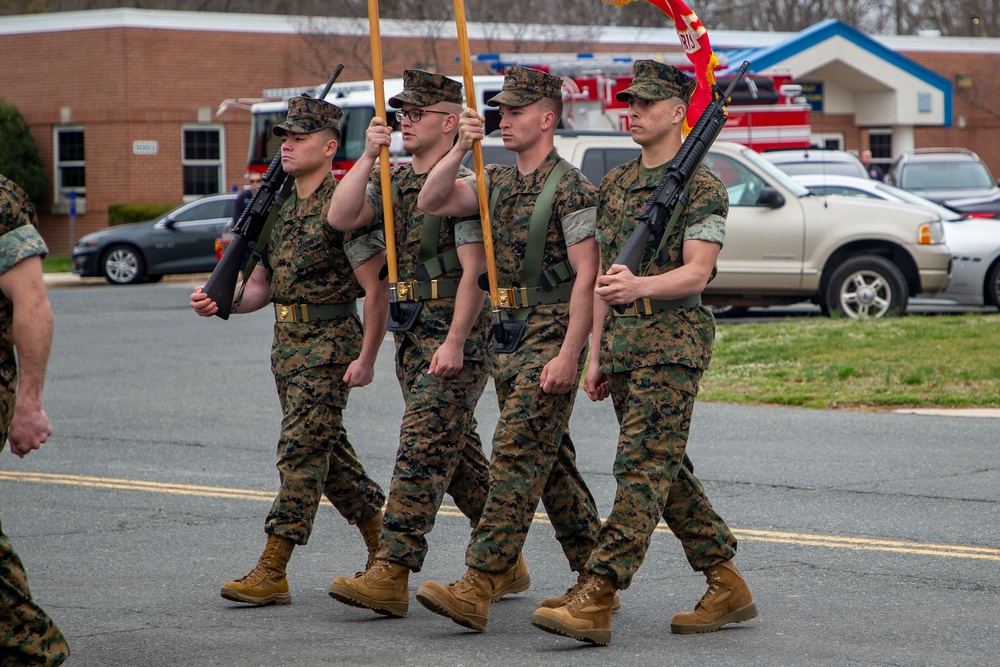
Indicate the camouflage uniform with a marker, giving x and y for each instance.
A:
(654, 364)
(27, 634)
(439, 448)
(533, 455)
(311, 263)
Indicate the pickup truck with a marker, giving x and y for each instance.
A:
(854, 257)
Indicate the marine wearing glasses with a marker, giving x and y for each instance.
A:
(416, 114)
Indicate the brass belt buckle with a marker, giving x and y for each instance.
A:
(404, 291)
(434, 289)
(507, 297)
(291, 313)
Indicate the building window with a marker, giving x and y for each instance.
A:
(70, 169)
(880, 143)
(202, 161)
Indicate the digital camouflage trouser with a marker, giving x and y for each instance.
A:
(656, 477)
(315, 457)
(533, 457)
(27, 634)
(439, 450)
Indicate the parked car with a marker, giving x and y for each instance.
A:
(181, 241)
(974, 243)
(816, 161)
(943, 175)
(861, 258)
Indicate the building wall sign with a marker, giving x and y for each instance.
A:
(145, 148)
(813, 92)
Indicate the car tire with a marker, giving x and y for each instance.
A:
(729, 311)
(122, 265)
(866, 287)
(991, 288)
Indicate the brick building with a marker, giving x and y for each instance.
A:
(127, 105)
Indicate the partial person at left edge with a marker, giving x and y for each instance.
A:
(27, 635)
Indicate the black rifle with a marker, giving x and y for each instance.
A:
(221, 285)
(652, 221)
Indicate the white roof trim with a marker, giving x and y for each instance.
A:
(279, 24)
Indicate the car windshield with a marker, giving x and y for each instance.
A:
(775, 173)
(946, 175)
(946, 214)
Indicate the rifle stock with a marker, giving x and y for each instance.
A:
(221, 285)
(651, 222)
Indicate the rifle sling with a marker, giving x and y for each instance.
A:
(265, 235)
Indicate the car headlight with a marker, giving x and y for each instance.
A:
(930, 233)
(86, 244)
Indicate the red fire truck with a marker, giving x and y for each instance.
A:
(767, 111)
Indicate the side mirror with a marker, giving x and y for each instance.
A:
(770, 198)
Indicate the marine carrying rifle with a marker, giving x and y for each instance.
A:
(263, 206)
(652, 222)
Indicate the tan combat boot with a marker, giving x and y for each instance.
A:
(383, 588)
(581, 577)
(370, 529)
(728, 600)
(266, 583)
(587, 615)
(514, 580)
(466, 601)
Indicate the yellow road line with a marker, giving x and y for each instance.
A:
(777, 537)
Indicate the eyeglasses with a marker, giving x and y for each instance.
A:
(416, 114)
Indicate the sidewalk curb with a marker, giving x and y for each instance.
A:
(73, 280)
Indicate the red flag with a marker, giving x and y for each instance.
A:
(694, 40)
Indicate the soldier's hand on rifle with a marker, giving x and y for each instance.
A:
(470, 128)
(619, 285)
(202, 304)
(379, 134)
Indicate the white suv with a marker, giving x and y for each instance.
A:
(853, 256)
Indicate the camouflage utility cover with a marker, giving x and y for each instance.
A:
(571, 221)
(312, 263)
(422, 89)
(523, 86)
(656, 81)
(434, 321)
(19, 239)
(306, 115)
(681, 336)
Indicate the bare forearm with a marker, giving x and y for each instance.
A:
(258, 291)
(581, 317)
(32, 327)
(348, 208)
(439, 188)
(468, 308)
(376, 313)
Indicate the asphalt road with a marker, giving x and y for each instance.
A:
(867, 538)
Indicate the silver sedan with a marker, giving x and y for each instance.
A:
(974, 243)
